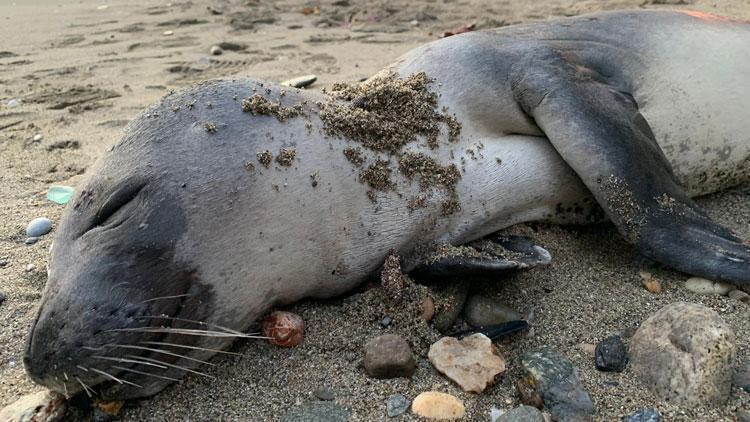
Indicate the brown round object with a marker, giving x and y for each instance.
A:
(284, 329)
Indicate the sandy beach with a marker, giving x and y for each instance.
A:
(81, 70)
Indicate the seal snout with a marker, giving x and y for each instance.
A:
(70, 339)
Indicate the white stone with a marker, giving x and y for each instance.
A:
(472, 362)
(707, 287)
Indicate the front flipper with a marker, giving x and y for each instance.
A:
(598, 130)
(482, 258)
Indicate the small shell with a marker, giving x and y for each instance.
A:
(285, 329)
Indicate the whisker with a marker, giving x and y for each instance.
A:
(113, 359)
(165, 297)
(127, 346)
(182, 368)
(65, 389)
(192, 321)
(185, 331)
(144, 373)
(82, 368)
(114, 378)
(161, 343)
(93, 349)
(86, 388)
(65, 374)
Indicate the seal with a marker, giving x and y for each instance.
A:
(234, 196)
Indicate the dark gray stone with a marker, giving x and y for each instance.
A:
(611, 355)
(386, 321)
(2, 298)
(644, 415)
(481, 311)
(557, 381)
(389, 356)
(396, 405)
(522, 414)
(317, 411)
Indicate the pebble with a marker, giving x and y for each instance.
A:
(707, 287)
(31, 240)
(300, 81)
(216, 50)
(389, 356)
(38, 227)
(611, 355)
(43, 406)
(396, 405)
(2, 297)
(521, 414)
(741, 377)
(428, 308)
(471, 362)
(439, 406)
(684, 354)
(15, 102)
(284, 329)
(644, 415)
(386, 321)
(168, 33)
(30, 268)
(650, 283)
(556, 380)
(317, 411)
(481, 311)
(325, 394)
(37, 137)
(739, 296)
(588, 349)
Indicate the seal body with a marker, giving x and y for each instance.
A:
(211, 210)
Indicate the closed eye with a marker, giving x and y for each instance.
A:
(117, 201)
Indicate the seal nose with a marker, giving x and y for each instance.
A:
(67, 336)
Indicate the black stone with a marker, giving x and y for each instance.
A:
(611, 355)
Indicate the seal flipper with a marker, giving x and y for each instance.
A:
(480, 259)
(599, 131)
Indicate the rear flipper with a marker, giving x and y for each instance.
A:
(597, 129)
(483, 258)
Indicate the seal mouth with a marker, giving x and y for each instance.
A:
(132, 350)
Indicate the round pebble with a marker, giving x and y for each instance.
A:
(386, 321)
(439, 406)
(37, 137)
(39, 227)
(707, 287)
(15, 102)
(216, 50)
